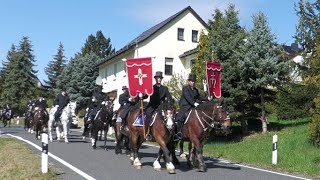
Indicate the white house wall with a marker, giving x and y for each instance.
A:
(164, 43)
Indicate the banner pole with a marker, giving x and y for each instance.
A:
(142, 115)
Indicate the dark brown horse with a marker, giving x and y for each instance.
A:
(102, 122)
(198, 124)
(161, 125)
(122, 134)
(6, 117)
(39, 121)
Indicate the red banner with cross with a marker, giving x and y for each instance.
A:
(213, 70)
(139, 71)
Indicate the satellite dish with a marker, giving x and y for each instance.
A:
(98, 81)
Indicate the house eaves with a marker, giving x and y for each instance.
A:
(148, 33)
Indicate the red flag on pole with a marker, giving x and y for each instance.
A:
(139, 72)
(213, 78)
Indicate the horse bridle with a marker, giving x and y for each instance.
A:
(214, 124)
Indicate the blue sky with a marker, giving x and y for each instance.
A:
(47, 23)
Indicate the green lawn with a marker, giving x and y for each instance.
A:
(17, 161)
(295, 154)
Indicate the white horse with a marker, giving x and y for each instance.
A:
(64, 124)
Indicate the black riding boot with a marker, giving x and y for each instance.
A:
(148, 135)
(178, 136)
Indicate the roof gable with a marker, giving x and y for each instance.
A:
(148, 33)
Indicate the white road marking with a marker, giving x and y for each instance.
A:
(81, 173)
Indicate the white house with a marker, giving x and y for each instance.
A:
(171, 44)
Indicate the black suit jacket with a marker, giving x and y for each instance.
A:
(62, 101)
(124, 98)
(189, 96)
(160, 93)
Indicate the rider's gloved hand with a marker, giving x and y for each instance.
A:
(196, 104)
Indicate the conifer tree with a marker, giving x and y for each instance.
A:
(55, 67)
(262, 63)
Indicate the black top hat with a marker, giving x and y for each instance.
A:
(124, 87)
(192, 77)
(158, 74)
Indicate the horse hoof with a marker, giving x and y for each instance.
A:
(202, 169)
(118, 151)
(183, 156)
(172, 171)
(138, 167)
(94, 147)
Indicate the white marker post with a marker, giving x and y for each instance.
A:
(44, 157)
(274, 149)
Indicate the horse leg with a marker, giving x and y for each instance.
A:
(171, 147)
(135, 159)
(65, 131)
(105, 139)
(181, 153)
(156, 163)
(94, 137)
(127, 144)
(166, 153)
(100, 137)
(50, 131)
(189, 155)
(198, 152)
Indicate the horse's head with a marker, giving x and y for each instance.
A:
(39, 114)
(168, 112)
(221, 115)
(108, 104)
(218, 114)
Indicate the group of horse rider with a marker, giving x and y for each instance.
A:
(190, 98)
(60, 102)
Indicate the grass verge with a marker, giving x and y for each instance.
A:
(295, 154)
(17, 161)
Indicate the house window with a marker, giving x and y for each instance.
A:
(192, 62)
(115, 70)
(180, 34)
(194, 36)
(106, 72)
(168, 66)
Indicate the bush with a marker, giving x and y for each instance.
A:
(295, 101)
(314, 126)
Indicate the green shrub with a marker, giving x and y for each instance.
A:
(314, 126)
(295, 101)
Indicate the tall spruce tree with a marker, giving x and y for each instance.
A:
(19, 76)
(55, 67)
(99, 45)
(262, 64)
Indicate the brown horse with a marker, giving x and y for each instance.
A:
(161, 125)
(39, 121)
(121, 133)
(198, 124)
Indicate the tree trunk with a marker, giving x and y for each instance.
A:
(263, 113)
(244, 126)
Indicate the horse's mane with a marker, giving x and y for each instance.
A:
(203, 106)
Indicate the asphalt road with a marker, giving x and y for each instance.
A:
(101, 164)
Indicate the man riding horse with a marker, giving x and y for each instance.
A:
(61, 102)
(41, 103)
(188, 100)
(95, 104)
(160, 94)
(126, 103)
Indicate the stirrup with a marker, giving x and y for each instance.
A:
(176, 137)
(148, 137)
